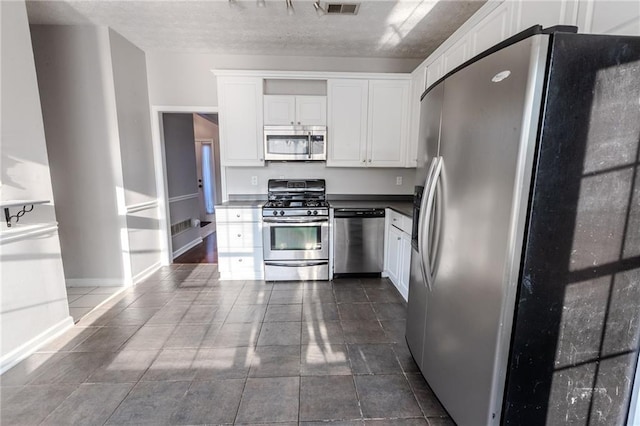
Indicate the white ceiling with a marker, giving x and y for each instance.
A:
(383, 29)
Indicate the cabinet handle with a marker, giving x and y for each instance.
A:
(239, 235)
(298, 122)
(239, 260)
(364, 161)
(395, 219)
(398, 238)
(292, 122)
(369, 159)
(237, 215)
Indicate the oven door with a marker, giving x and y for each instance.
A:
(288, 238)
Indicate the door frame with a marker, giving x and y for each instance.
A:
(159, 162)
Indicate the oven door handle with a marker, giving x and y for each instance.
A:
(296, 265)
(283, 220)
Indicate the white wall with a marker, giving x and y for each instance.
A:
(78, 103)
(33, 303)
(339, 180)
(138, 174)
(184, 79)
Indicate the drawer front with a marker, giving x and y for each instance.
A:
(239, 215)
(236, 260)
(242, 234)
(400, 221)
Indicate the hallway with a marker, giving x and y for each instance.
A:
(186, 348)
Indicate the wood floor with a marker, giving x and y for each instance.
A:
(206, 252)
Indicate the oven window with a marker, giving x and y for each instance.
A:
(296, 238)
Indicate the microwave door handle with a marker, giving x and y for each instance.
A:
(309, 144)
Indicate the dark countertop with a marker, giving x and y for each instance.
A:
(241, 204)
(402, 207)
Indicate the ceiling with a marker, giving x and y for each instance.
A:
(381, 29)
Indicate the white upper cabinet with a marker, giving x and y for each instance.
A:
(347, 122)
(295, 110)
(418, 85)
(241, 123)
(368, 122)
(388, 123)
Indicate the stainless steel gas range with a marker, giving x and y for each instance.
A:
(296, 231)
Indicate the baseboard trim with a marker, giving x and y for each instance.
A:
(143, 275)
(95, 282)
(23, 351)
(187, 247)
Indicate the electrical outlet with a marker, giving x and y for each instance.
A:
(254, 180)
(398, 180)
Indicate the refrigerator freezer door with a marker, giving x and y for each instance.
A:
(486, 106)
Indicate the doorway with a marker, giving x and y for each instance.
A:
(191, 169)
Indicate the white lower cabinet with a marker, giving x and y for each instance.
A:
(239, 238)
(397, 261)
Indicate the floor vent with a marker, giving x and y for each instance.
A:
(180, 227)
(342, 8)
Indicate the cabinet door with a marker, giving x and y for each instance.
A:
(240, 116)
(347, 122)
(418, 83)
(394, 254)
(405, 265)
(279, 110)
(311, 110)
(388, 122)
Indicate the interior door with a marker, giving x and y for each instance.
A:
(481, 140)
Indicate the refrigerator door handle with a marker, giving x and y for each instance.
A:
(426, 254)
(422, 217)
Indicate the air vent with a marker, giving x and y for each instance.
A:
(342, 8)
(180, 227)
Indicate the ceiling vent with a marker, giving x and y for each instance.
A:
(342, 8)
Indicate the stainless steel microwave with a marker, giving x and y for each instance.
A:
(295, 143)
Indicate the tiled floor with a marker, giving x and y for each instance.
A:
(83, 300)
(187, 348)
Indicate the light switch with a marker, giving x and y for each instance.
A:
(398, 180)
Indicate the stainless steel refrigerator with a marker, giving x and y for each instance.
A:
(525, 271)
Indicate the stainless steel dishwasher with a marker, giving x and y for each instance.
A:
(358, 241)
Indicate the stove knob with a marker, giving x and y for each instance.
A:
(275, 213)
(281, 212)
(308, 212)
(315, 212)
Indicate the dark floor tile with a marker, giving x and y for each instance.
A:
(173, 364)
(89, 404)
(363, 332)
(232, 335)
(440, 421)
(322, 332)
(395, 330)
(334, 423)
(377, 295)
(275, 361)
(183, 297)
(320, 311)
(125, 366)
(286, 297)
(253, 297)
(379, 283)
(201, 314)
(356, 312)
(150, 403)
(350, 295)
(328, 398)
(397, 422)
(152, 300)
(390, 311)
(211, 402)
(324, 360)
(34, 403)
(150, 337)
(430, 405)
(223, 363)
(269, 400)
(373, 359)
(246, 313)
(346, 283)
(216, 297)
(187, 336)
(405, 358)
(386, 396)
(132, 316)
(106, 339)
(318, 295)
(280, 333)
(290, 286)
(279, 313)
(70, 339)
(29, 368)
(73, 368)
(170, 314)
(100, 316)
